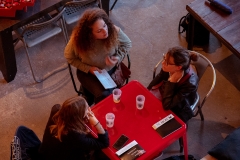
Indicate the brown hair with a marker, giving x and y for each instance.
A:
(70, 117)
(182, 57)
(82, 33)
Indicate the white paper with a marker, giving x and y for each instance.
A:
(127, 147)
(162, 121)
(105, 79)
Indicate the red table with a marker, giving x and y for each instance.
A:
(137, 124)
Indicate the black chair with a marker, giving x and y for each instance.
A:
(38, 31)
(113, 5)
(74, 10)
(84, 92)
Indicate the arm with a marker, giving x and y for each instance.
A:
(74, 59)
(174, 94)
(87, 142)
(124, 44)
(160, 77)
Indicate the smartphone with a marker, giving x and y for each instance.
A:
(121, 141)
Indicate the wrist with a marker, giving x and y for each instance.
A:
(96, 124)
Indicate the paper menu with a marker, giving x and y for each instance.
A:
(105, 79)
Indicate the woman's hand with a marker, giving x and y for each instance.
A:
(111, 60)
(176, 76)
(92, 119)
(92, 69)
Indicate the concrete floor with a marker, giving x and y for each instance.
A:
(153, 28)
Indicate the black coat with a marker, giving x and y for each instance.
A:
(74, 146)
(177, 97)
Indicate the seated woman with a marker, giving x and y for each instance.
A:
(66, 135)
(176, 82)
(96, 44)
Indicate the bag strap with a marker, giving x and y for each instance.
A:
(186, 77)
(183, 79)
(158, 85)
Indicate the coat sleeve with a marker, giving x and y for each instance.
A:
(124, 45)
(88, 143)
(160, 77)
(174, 94)
(73, 58)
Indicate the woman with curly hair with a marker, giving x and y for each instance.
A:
(67, 136)
(96, 44)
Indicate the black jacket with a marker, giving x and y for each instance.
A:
(74, 146)
(177, 97)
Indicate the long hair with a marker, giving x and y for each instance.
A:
(182, 57)
(82, 33)
(69, 117)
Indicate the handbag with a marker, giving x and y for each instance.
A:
(183, 23)
(121, 74)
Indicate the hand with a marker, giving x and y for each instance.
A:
(176, 76)
(92, 119)
(94, 69)
(111, 60)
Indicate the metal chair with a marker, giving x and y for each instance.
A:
(113, 5)
(38, 31)
(84, 92)
(74, 10)
(201, 65)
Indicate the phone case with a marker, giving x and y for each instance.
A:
(121, 141)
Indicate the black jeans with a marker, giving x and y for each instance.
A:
(25, 144)
(92, 84)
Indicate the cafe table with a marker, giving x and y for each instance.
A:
(137, 124)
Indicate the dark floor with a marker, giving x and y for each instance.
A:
(152, 25)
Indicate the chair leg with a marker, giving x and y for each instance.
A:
(30, 64)
(87, 95)
(47, 75)
(200, 112)
(113, 5)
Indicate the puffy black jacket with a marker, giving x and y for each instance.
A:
(177, 97)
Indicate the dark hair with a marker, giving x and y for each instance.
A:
(182, 57)
(82, 33)
(70, 117)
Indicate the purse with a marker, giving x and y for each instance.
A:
(121, 74)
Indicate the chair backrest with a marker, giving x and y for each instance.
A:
(74, 9)
(42, 22)
(201, 66)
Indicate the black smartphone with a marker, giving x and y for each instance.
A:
(120, 142)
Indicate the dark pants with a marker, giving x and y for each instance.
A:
(92, 84)
(25, 145)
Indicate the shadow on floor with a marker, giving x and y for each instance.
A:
(229, 68)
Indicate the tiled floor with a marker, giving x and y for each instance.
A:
(152, 25)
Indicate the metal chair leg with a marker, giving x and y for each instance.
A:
(200, 112)
(63, 67)
(113, 5)
(30, 64)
